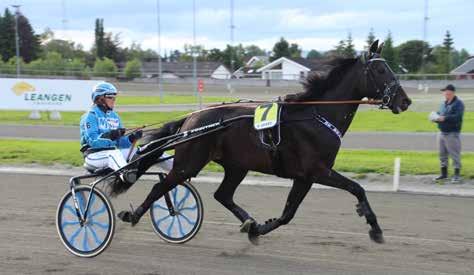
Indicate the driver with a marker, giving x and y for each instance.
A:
(103, 140)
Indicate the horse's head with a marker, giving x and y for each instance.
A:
(381, 82)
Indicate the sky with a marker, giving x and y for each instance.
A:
(312, 24)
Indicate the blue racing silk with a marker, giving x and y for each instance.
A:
(95, 123)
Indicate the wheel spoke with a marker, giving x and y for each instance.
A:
(66, 224)
(72, 210)
(96, 238)
(101, 225)
(74, 236)
(187, 219)
(85, 243)
(189, 208)
(157, 222)
(80, 201)
(100, 211)
(92, 200)
(183, 200)
(180, 226)
(170, 227)
(157, 205)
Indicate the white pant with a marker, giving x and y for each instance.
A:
(116, 159)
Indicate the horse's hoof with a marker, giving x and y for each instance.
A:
(245, 227)
(127, 216)
(376, 236)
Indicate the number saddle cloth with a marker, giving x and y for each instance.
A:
(267, 123)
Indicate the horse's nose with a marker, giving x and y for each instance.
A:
(405, 103)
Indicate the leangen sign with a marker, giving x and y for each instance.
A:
(45, 94)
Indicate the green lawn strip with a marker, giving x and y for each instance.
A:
(364, 121)
(356, 161)
(385, 121)
(169, 99)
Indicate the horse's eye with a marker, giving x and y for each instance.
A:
(381, 70)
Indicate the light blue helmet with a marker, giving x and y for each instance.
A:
(103, 88)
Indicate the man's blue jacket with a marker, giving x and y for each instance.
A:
(453, 113)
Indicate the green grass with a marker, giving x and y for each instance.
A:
(365, 121)
(169, 99)
(385, 121)
(356, 161)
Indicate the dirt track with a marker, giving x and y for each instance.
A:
(424, 235)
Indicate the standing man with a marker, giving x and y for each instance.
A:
(449, 121)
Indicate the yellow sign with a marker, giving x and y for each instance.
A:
(266, 116)
(22, 87)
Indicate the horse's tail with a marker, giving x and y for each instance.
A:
(116, 186)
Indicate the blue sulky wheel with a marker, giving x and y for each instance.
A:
(177, 216)
(91, 237)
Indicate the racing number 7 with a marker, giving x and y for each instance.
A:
(267, 107)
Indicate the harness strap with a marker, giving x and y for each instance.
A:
(329, 125)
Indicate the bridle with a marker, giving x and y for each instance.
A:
(389, 89)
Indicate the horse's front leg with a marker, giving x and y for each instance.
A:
(295, 197)
(336, 180)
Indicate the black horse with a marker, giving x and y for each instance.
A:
(310, 140)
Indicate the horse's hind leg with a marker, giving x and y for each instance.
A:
(337, 180)
(158, 190)
(182, 170)
(297, 193)
(225, 193)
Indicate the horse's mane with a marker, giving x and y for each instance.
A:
(333, 70)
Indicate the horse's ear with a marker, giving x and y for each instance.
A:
(380, 48)
(374, 46)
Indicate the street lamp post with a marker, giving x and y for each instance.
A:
(17, 41)
(194, 53)
(159, 78)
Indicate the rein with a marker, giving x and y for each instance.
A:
(232, 104)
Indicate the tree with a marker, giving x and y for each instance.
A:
(46, 36)
(99, 38)
(463, 55)
(215, 55)
(175, 56)
(28, 40)
(349, 50)
(295, 50)
(66, 48)
(105, 67)
(281, 49)
(7, 35)
(314, 54)
(370, 39)
(233, 57)
(253, 50)
(77, 67)
(447, 47)
(340, 48)
(410, 54)
(112, 47)
(389, 53)
(133, 69)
